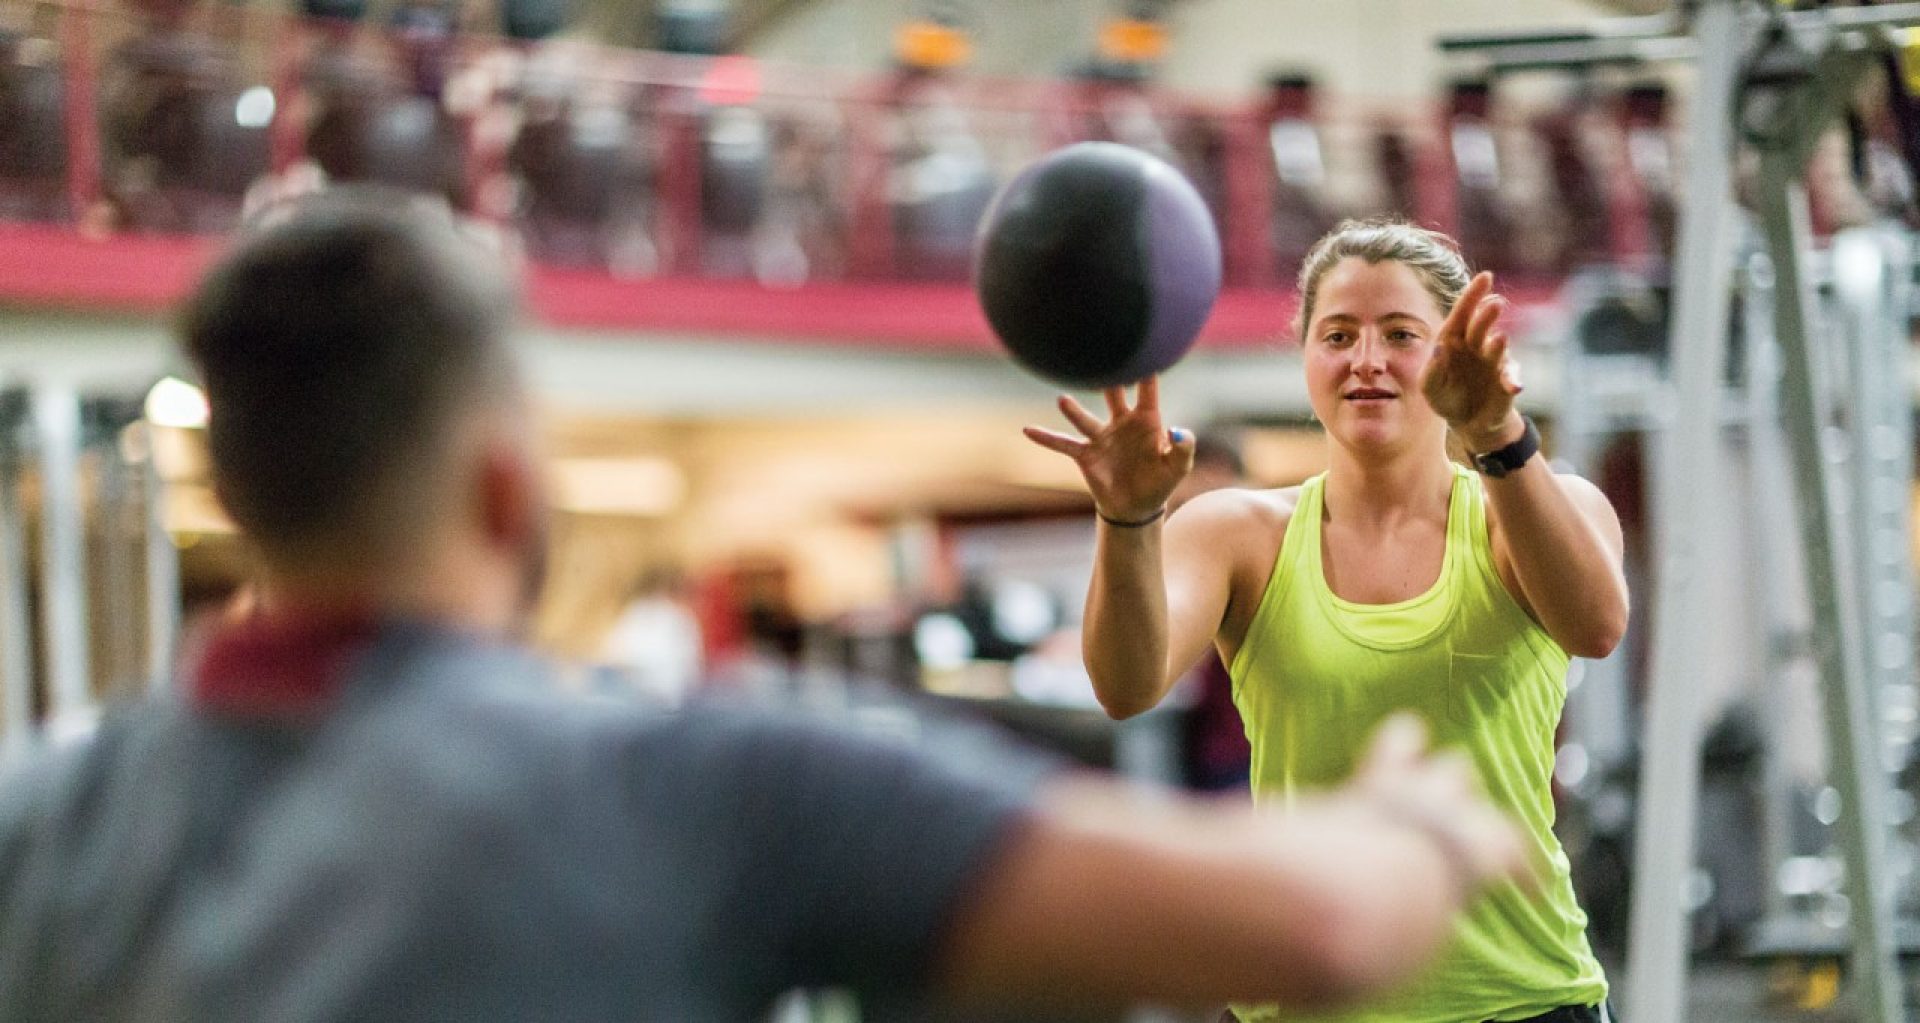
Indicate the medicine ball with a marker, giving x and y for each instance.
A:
(1097, 265)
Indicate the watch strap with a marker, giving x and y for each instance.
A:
(1500, 462)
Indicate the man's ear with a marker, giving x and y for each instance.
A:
(510, 496)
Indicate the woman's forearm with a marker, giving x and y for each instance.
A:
(1124, 635)
(1566, 563)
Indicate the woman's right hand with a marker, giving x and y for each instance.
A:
(1131, 462)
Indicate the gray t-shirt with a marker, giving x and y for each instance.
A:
(450, 839)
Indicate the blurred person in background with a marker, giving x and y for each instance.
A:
(1214, 740)
(33, 149)
(1396, 581)
(425, 34)
(367, 801)
(940, 182)
(656, 642)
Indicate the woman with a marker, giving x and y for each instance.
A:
(1397, 579)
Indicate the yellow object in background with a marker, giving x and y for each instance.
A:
(1133, 40)
(1821, 987)
(1910, 60)
(1807, 985)
(931, 46)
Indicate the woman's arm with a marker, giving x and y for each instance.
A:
(1159, 588)
(1555, 536)
(1155, 603)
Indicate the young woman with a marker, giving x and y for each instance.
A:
(1398, 579)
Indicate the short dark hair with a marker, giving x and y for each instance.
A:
(337, 346)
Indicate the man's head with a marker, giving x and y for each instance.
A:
(365, 412)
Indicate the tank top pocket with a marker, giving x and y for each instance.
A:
(1479, 683)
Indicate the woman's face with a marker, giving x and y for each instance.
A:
(1371, 335)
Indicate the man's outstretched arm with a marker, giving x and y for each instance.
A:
(1107, 896)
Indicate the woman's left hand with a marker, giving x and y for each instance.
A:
(1470, 381)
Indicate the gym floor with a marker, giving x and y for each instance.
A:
(1722, 991)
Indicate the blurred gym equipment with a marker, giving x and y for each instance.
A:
(84, 555)
(1778, 78)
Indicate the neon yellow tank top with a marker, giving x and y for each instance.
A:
(1317, 674)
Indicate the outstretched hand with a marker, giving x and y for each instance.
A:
(1131, 462)
(1470, 381)
(1436, 794)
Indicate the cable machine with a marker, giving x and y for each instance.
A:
(1769, 81)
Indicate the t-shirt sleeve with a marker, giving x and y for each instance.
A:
(16, 791)
(27, 787)
(844, 852)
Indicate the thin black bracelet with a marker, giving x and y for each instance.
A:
(1137, 524)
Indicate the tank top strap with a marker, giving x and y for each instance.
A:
(1468, 531)
(1298, 556)
(1302, 540)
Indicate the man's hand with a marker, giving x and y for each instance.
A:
(1438, 795)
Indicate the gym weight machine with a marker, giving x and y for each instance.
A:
(89, 577)
(1769, 80)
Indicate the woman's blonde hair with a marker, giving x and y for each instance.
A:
(1433, 256)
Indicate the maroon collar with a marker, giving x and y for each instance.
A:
(286, 664)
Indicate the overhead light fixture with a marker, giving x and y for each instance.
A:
(1133, 40)
(931, 45)
(254, 108)
(174, 402)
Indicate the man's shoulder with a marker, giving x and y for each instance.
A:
(64, 785)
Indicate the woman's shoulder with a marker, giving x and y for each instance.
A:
(1240, 532)
(1233, 510)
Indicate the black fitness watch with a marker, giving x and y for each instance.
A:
(1498, 463)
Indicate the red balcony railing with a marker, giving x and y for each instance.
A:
(662, 191)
